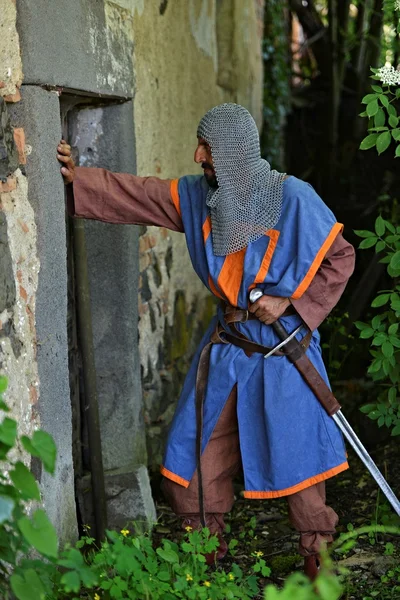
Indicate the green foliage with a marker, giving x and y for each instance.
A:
(339, 345)
(19, 533)
(383, 330)
(383, 118)
(276, 97)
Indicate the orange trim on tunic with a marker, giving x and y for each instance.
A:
(266, 261)
(299, 486)
(174, 477)
(213, 289)
(206, 229)
(336, 229)
(231, 274)
(175, 196)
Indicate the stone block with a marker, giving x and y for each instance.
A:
(128, 497)
(97, 56)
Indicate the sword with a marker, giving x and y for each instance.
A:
(324, 395)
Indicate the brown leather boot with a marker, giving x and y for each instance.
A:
(312, 566)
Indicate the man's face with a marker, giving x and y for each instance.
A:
(202, 156)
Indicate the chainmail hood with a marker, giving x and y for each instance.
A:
(248, 199)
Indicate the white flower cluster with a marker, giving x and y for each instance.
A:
(389, 75)
(397, 5)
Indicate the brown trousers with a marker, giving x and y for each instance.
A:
(220, 462)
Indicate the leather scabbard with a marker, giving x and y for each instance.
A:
(295, 353)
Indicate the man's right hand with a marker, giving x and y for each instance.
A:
(64, 156)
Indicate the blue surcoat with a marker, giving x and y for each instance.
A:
(287, 440)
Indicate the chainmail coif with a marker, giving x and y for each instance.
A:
(248, 199)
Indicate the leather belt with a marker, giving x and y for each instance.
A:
(238, 315)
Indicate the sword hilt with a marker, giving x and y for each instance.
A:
(280, 331)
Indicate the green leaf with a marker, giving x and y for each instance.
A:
(25, 482)
(380, 246)
(367, 408)
(42, 445)
(363, 233)
(367, 333)
(374, 415)
(369, 98)
(6, 507)
(390, 227)
(396, 134)
(360, 325)
(369, 141)
(380, 300)
(384, 100)
(372, 108)
(397, 153)
(393, 121)
(168, 555)
(379, 226)
(391, 110)
(393, 329)
(368, 243)
(71, 582)
(395, 341)
(379, 339)
(3, 384)
(380, 118)
(375, 366)
(383, 142)
(387, 349)
(377, 88)
(376, 321)
(40, 533)
(8, 432)
(395, 260)
(28, 586)
(396, 429)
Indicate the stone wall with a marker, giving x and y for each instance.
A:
(19, 262)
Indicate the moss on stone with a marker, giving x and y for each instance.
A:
(284, 563)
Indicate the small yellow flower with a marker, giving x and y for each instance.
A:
(231, 577)
(259, 553)
(86, 527)
(125, 532)
(189, 577)
(96, 597)
(207, 584)
(188, 528)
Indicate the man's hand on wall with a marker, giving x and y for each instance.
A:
(64, 156)
(269, 308)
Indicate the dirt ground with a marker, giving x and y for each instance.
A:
(264, 526)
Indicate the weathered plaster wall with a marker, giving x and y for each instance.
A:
(10, 57)
(189, 56)
(19, 263)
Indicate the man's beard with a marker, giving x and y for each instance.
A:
(210, 178)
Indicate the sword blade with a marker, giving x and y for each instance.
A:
(358, 447)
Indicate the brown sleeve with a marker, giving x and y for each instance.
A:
(122, 198)
(328, 284)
